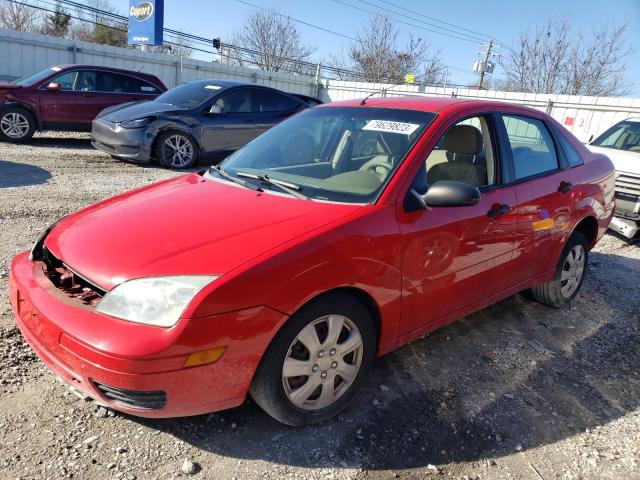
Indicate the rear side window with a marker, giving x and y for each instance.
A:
(117, 83)
(531, 145)
(267, 101)
(573, 157)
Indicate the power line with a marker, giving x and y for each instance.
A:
(437, 19)
(475, 38)
(406, 23)
(296, 20)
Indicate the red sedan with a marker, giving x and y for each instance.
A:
(335, 237)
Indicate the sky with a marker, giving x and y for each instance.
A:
(502, 20)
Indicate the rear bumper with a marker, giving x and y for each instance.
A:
(150, 385)
(130, 143)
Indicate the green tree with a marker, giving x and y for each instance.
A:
(57, 24)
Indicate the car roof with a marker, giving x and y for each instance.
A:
(225, 83)
(428, 104)
(108, 69)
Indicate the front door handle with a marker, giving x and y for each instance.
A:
(497, 210)
(564, 187)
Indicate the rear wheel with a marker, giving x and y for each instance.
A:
(177, 150)
(17, 125)
(569, 276)
(317, 362)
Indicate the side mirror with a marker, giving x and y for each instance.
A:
(445, 193)
(450, 193)
(53, 87)
(215, 110)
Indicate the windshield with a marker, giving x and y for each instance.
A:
(622, 136)
(344, 154)
(36, 77)
(189, 95)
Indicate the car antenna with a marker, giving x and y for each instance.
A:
(364, 100)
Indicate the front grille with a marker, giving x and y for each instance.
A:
(69, 282)
(147, 400)
(627, 205)
(628, 184)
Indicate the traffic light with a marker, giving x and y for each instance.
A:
(216, 43)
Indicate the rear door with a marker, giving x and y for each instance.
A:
(457, 257)
(120, 88)
(544, 190)
(272, 107)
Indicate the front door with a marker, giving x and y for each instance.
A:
(234, 126)
(457, 257)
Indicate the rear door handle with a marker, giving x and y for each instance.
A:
(497, 210)
(564, 187)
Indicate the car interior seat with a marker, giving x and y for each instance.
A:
(463, 144)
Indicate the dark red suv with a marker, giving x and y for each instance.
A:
(68, 97)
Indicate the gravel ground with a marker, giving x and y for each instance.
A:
(516, 391)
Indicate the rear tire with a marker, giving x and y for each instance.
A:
(305, 376)
(570, 273)
(17, 125)
(176, 150)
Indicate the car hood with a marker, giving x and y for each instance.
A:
(133, 110)
(187, 225)
(9, 86)
(623, 160)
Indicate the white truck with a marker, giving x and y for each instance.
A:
(621, 143)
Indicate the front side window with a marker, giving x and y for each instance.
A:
(67, 81)
(77, 81)
(344, 154)
(532, 147)
(622, 136)
(464, 153)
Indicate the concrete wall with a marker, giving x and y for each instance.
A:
(23, 53)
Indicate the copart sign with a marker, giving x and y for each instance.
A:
(146, 18)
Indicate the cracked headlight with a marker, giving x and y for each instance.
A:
(157, 301)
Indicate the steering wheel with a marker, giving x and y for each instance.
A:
(373, 165)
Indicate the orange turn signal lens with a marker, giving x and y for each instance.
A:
(204, 357)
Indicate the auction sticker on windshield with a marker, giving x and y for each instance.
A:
(391, 127)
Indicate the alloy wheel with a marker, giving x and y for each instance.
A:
(572, 271)
(178, 151)
(14, 125)
(322, 362)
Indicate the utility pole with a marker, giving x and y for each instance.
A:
(484, 63)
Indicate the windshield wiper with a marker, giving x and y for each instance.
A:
(233, 179)
(290, 188)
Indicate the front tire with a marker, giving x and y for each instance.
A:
(177, 150)
(317, 362)
(570, 272)
(17, 125)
